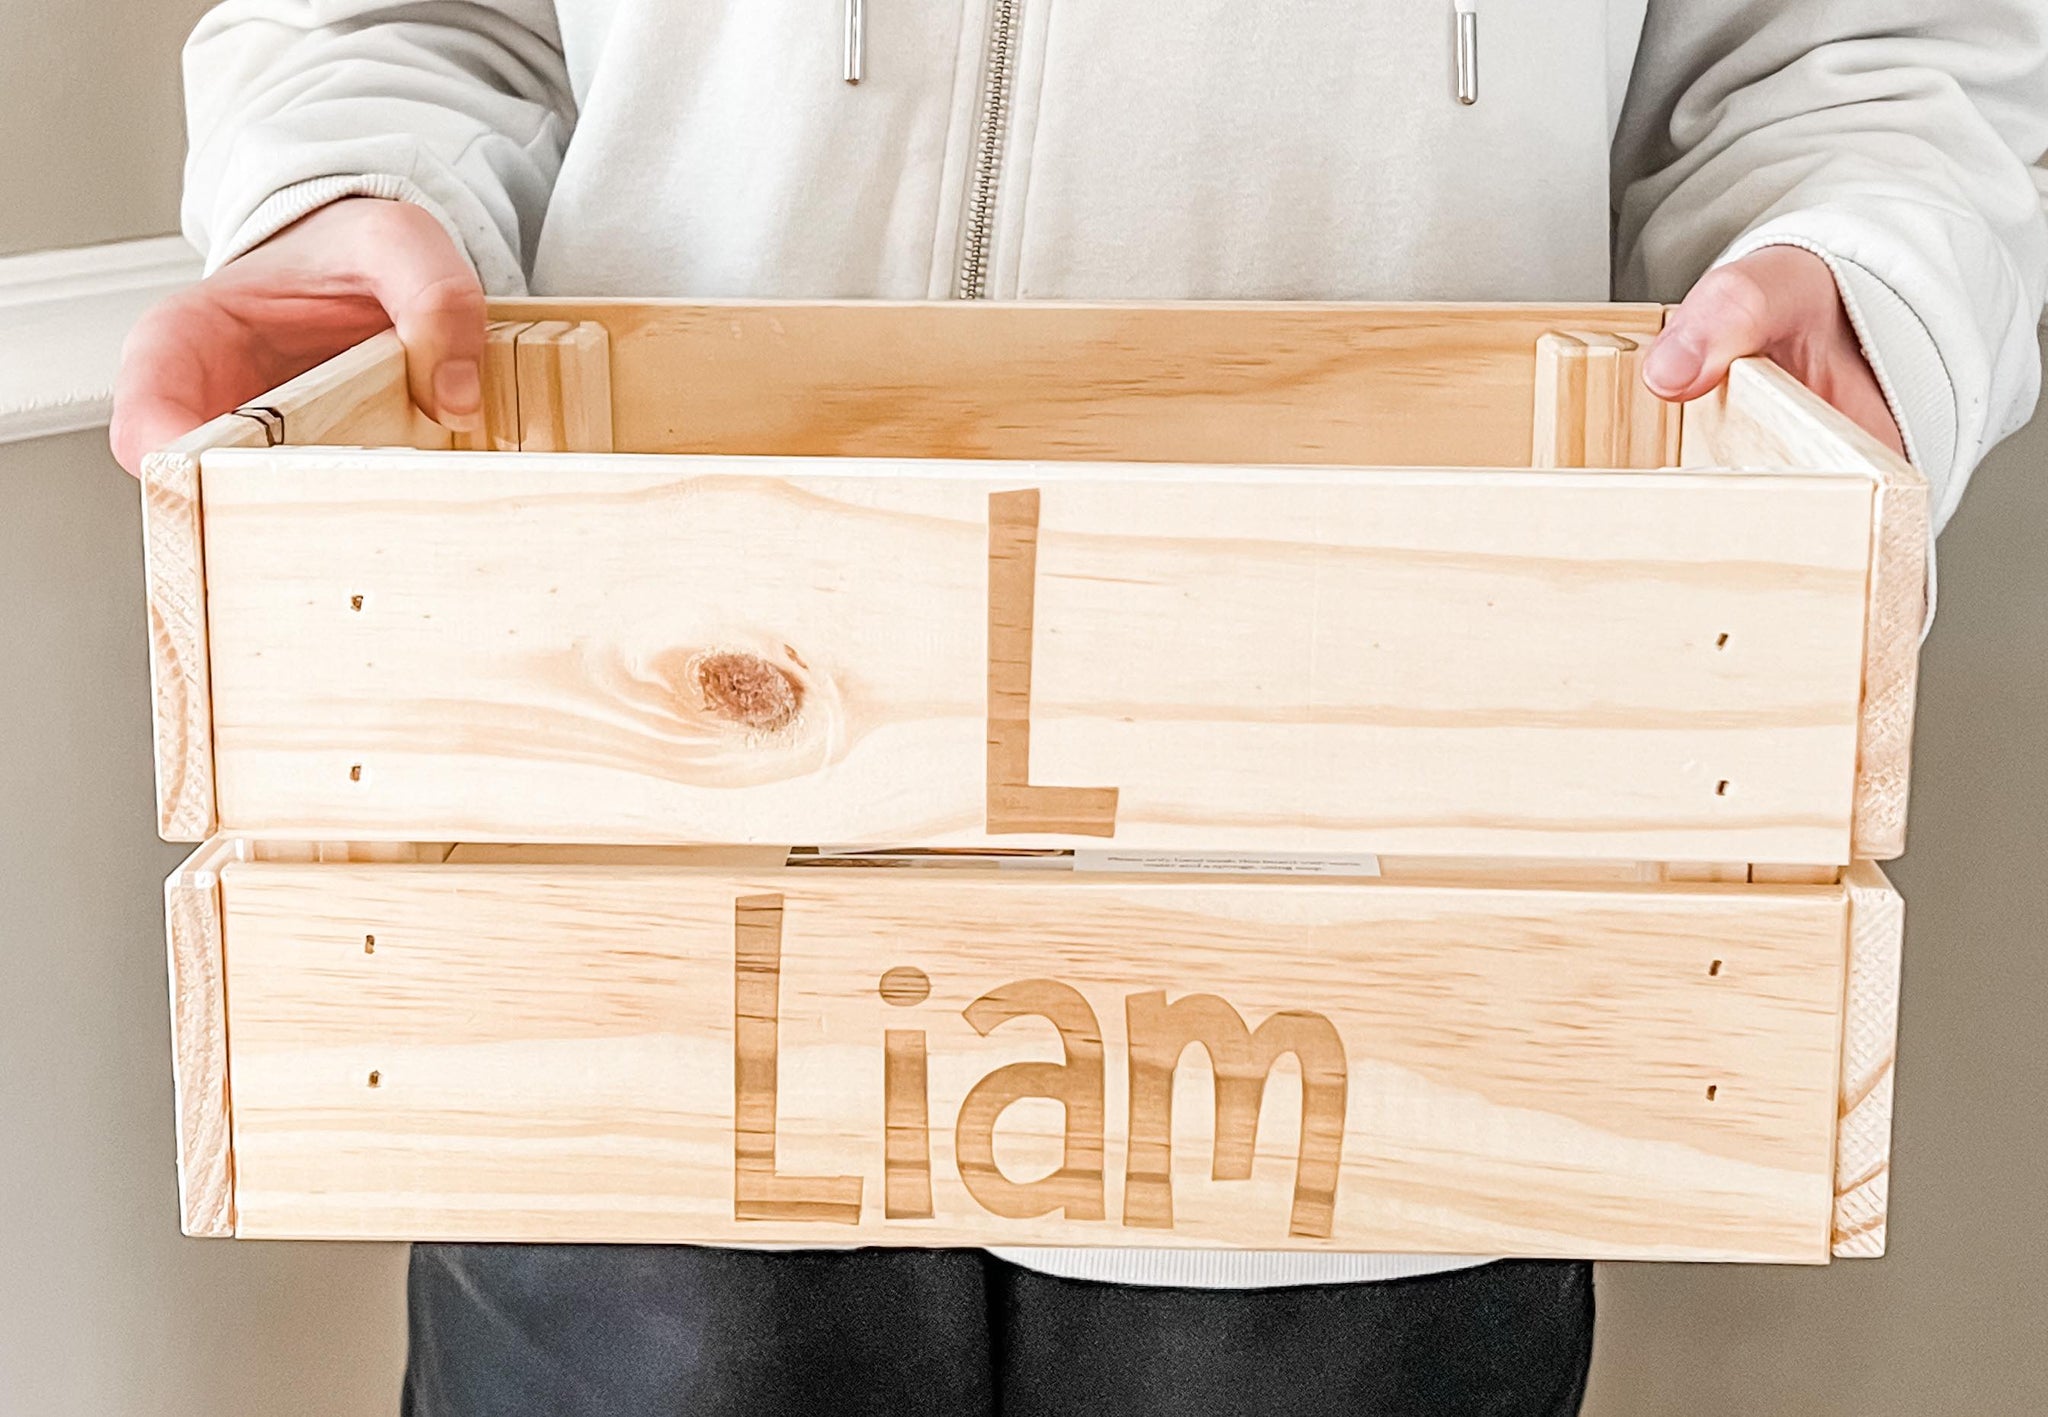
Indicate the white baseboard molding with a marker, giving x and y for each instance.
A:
(63, 315)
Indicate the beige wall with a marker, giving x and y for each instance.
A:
(91, 119)
(105, 1310)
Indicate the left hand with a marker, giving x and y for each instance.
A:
(1781, 302)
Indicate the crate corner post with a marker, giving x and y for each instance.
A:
(563, 386)
(1901, 542)
(1870, 1023)
(174, 570)
(1761, 418)
(199, 1045)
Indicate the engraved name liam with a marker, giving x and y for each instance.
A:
(1241, 1058)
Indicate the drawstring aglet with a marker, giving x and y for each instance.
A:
(856, 41)
(1468, 52)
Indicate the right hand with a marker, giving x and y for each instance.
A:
(320, 286)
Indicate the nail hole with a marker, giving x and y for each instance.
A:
(369, 944)
(1721, 788)
(1714, 968)
(376, 1078)
(355, 773)
(1721, 641)
(1711, 1090)
(355, 602)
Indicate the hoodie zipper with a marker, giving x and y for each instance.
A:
(988, 150)
(995, 113)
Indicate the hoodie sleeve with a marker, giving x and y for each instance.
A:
(461, 108)
(1893, 138)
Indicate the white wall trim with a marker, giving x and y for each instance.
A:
(63, 315)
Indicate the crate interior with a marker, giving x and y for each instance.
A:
(1291, 384)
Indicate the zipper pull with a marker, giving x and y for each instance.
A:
(1468, 51)
(856, 40)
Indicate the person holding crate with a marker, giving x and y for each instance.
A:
(1842, 187)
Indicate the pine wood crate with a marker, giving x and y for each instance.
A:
(1593, 702)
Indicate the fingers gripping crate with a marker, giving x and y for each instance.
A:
(511, 761)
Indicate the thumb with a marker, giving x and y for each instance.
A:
(1725, 318)
(156, 401)
(436, 303)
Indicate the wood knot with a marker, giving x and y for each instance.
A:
(749, 690)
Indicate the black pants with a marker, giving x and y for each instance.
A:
(610, 1331)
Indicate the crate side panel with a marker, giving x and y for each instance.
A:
(1296, 382)
(503, 647)
(637, 1054)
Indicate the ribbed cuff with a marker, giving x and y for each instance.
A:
(281, 208)
(1231, 1269)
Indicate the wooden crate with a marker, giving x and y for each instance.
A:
(1585, 704)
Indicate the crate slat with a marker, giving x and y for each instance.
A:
(1446, 385)
(1642, 666)
(549, 1051)
(199, 1049)
(1870, 1044)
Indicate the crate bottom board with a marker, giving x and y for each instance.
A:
(610, 1051)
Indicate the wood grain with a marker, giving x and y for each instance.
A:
(1240, 1061)
(1654, 425)
(359, 398)
(389, 852)
(563, 369)
(1295, 382)
(1877, 931)
(1763, 417)
(174, 571)
(906, 1120)
(1074, 1188)
(1902, 540)
(1610, 360)
(199, 1044)
(500, 373)
(1526, 1071)
(1015, 803)
(760, 1191)
(1560, 427)
(742, 858)
(1764, 873)
(1413, 870)
(507, 647)
(1735, 871)
(1592, 407)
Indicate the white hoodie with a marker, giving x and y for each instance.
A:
(1185, 149)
